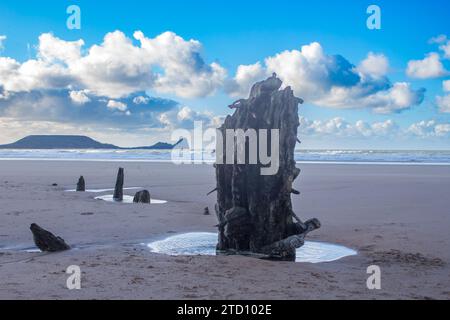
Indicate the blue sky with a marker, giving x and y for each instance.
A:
(232, 34)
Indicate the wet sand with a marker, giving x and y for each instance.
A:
(397, 217)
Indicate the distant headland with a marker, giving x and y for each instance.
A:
(75, 142)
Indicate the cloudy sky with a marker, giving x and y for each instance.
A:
(137, 70)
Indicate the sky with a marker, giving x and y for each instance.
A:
(138, 70)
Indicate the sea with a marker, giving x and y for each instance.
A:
(417, 157)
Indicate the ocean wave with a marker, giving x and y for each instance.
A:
(360, 156)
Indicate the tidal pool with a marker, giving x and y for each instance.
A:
(103, 190)
(126, 199)
(204, 243)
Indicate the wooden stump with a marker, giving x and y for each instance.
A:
(81, 185)
(46, 241)
(118, 190)
(142, 197)
(254, 210)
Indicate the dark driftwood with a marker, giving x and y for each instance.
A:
(46, 241)
(255, 211)
(142, 197)
(281, 249)
(81, 185)
(118, 190)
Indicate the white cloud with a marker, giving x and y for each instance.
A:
(32, 75)
(169, 64)
(443, 103)
(446, 85)
(429, 129)
(422, 128)
(117, 105)
(52, 49)
(186, 113)
(185, 117)
(429, 67)
(2, 39)
(375, 65)
(397, 98)
(384, 128)
(79, 97)
(246, 76)
(116, 68)
(438, 39)
(342, 128)
(332, 81)
(307, 70)
(116, 74)
(444, 43)
(59, 106)
(446, 49)
(185, 72)
(442, 129)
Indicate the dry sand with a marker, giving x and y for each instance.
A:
(397, 217)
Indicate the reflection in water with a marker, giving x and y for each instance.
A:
(127, 199)
(203, 243)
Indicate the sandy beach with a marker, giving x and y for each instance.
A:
(395, 216)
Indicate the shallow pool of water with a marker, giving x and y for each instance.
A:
(204, 243)
(126, 199)
(103, 190)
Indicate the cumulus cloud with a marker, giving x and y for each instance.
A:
(332, 81)
(446, 49)
(51, 49)
(429, 129)
(375, 65)
(444, 43)
(184, 117)
(112, 104)
(339, 127)
(246, 76)
(429, 67)
(443, 102)
(168, 64)
(442, 129)
(116, 68)
(79, 97)
(384, 128)
(80, 107)
(106, 85)
(185, 71)
(446, 85)
(397, 98)
(32, 75)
